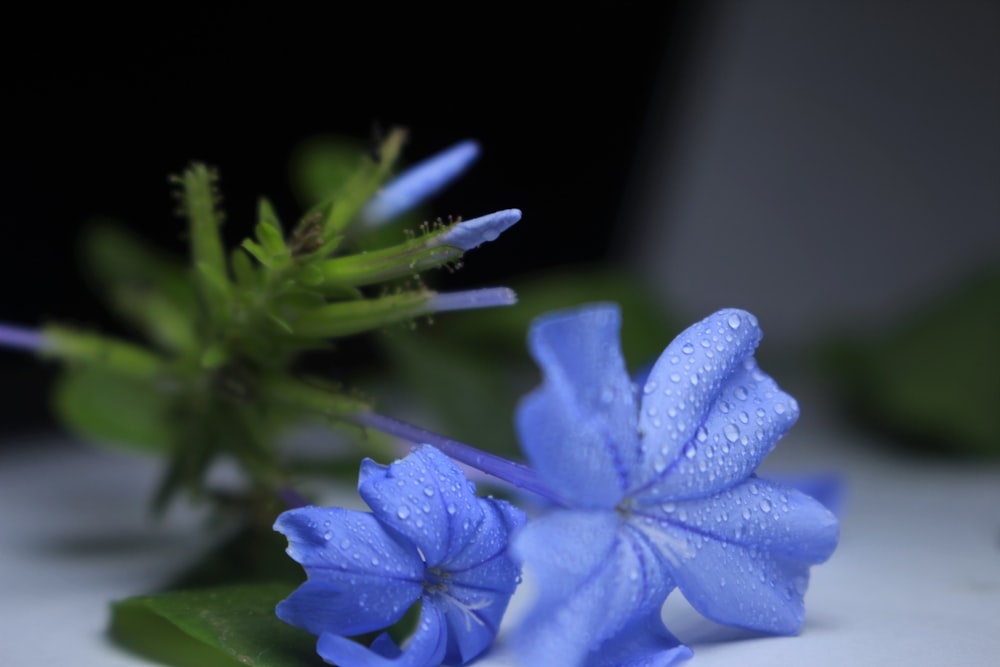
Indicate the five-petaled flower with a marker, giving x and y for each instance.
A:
(658, 491)
(427, 539)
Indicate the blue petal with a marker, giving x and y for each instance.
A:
(427, 499)
(748, 416)
(644, 643)
(595, 578)
(419, 182)
(425, 649)
(479, 582)
(684, 387)
(579, 428)
(742, 557)
(360, 577)
(370, 604)
(469, 234)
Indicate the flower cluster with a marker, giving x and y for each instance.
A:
(427, 539)
(652, 490)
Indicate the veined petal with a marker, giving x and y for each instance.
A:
(747, 417)
(478, 583)
(578, 428)
(427, 499)
(360, 577)
(425, 649)
(419, 183)
(332, 542)
(644, 643)
(742, 557)
(366, 604)
(595, 578)
(684, 384)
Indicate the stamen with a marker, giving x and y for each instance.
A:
(511, 472)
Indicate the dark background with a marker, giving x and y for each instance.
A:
(102, 105)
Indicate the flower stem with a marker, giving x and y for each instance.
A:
(22, 338)
(511, 472)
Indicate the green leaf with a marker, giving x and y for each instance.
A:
(231, 625)
(933, 380)
(114, 409)
(150, 290)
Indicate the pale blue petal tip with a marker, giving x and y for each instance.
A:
(471, 233)
(419, 183)
(488, 297)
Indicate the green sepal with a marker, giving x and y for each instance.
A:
(266, 214)
(273, 244)
(345, 318)
(108, 353)
(246, 275)
(198, 202)
(150, 290)
(114, 409)
(342, 206)
(368, 268)
(230, 625)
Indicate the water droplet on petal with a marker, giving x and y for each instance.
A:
(734, 321)
(765, 506)
(403, 512)
(731, 432)
(687, 348)
(690, 450)
(450, 508)
(701, 434)
(779, 408)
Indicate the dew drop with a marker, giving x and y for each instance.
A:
(701, 434)
(744, 417)
(734, 321)
(741, 393)
(779, 408)
(450, 508)
(403, 512)
(649, 388)
(668, 507)
(429, 491)
(694, 379)
(731, 432)
(687, 348)
(345, 543)
(746, 514)
(690, 451)
(675, 377)
(765, 506)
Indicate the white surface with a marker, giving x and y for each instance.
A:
(916, 580)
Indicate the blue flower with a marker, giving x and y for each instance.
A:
(658, 492)
(428, 539)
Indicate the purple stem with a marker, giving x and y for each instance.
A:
(21, 337)
(291, 498)
(509, 471)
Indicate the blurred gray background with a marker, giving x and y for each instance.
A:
(827, 165)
